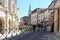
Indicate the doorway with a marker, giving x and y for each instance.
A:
(52, 27)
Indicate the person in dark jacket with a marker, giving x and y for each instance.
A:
(39, 26)
(34, 26)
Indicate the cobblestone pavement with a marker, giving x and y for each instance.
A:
(41, 35)
(35, 36)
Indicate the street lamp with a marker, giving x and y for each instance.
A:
(37, 17)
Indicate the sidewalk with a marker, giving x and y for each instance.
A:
(56, 36)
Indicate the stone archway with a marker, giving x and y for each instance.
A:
(1, 26)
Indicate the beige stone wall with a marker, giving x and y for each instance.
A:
(56, 20)
(40, 17)
(9, 16)
(34, 18)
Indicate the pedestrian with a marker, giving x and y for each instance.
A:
(39, 26)
(34, 26)
(44, 26)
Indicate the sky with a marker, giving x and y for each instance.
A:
(23, 6)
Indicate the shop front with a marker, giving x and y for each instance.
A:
(49, 25)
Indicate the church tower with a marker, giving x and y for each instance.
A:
(29, 13)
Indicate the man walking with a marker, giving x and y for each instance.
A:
(34, 26)
(39, 26)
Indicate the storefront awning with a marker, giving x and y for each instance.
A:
(49, 21)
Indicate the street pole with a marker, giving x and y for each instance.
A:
(37, 17)
(43, 20)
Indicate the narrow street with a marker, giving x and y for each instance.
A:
(41, 35)
(29, 19)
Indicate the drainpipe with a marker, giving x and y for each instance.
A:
(37, 16)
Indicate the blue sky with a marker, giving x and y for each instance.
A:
(23, 6)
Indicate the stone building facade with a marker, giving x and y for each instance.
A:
(24, 20)
(40, 17)
(51, 17)
(57, 16)
(34, 16)
(8, 16)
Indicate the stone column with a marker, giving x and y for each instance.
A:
(55, 21)
(59, 19)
